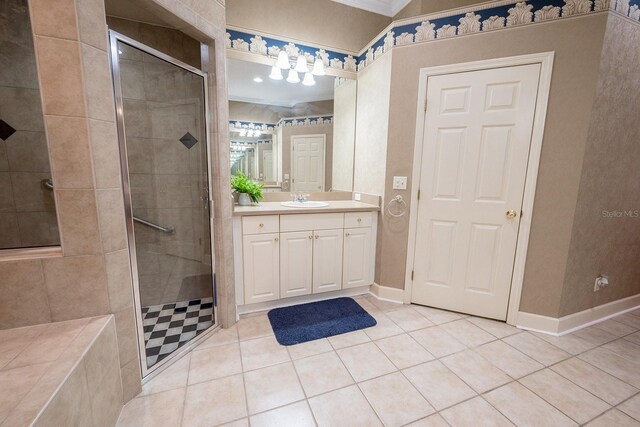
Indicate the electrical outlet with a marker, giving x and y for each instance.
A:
(399, 182)
(357, 197)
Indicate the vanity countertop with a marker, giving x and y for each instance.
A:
(276, 208)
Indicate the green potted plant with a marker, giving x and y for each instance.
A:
(249, 191)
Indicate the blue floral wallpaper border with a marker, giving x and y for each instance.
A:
(291, 121)
(474, 19)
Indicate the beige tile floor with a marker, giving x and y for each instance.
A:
(419, 366)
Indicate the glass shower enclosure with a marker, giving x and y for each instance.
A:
(162, 127)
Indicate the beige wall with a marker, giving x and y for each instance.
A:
(289, 131)
(322, 22)
(262, 113)
(344, 134)
(372, 119)
(424, 7)
(577, 43)
(92, 276)
(610, 180)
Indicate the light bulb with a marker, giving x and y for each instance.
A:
(257, 79)
(250, 133)
(257, 133)
(283, 60)
(318, 67)
(243, 132)
(276, 73)
(308, 80)
(301, 64)
(293, 76)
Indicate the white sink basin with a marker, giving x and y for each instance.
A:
(307, 204)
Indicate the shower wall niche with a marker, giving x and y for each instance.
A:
(27, 206)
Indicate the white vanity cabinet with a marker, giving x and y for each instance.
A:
(294, 255)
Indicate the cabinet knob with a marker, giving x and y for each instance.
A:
(276, 239)
(310, 236)
(346, 234)
(260, 225)
(317, 236)
(359, 219)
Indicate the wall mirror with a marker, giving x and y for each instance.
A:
(27, 206)
(293, 133)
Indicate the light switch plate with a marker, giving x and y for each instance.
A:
(399, 182)
(286, 176)
(357, 197)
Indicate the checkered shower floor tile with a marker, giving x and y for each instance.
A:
(169, 326)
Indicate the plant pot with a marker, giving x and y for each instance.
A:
(244, 199)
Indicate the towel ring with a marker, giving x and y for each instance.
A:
(403, 206)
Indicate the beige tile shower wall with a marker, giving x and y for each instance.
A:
(344, 134)
(324, 22)
(289, 131)
(372, 121)
(577, 43)
(610, 181)
(27, 209)
(93, 277)
(167, 40)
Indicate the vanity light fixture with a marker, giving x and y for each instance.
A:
(283, 60)
(301, 64)
(257, 79)
(308, 79)
(318, 67)
(276, 73)
(293, 76)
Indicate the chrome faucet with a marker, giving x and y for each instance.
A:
(300, 198)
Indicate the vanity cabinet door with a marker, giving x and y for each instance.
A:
(296, 263)
(261, 253)
(357, 258)
(327, 261)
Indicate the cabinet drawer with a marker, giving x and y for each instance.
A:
(358, 219)
(305, 222)
(260, 224)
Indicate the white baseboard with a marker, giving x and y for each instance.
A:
(262, 306)
(575, 321)
(386, 293)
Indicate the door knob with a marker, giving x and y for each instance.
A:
(511, 214)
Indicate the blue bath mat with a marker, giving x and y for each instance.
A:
(315, 320)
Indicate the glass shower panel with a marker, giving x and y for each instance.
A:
(163, 115)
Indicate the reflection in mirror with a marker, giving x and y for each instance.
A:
(291, 136)
(27, 207)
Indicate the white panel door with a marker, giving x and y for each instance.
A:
(476, 147)
(357, 258)
(267, 165)
(327, 261)
(296, 263)
(307, 165)
(261, 256)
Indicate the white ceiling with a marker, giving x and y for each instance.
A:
(382, 7)
(240, 75)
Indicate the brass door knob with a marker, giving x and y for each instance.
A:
(511, 214)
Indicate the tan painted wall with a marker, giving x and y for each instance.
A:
(610, 180)
(424, 7)
(323, 22)
(247, 111)
(372, 118)
(577, 43)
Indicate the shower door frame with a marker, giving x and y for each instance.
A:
(114, 38)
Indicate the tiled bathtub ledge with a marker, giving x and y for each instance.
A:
(64, 373)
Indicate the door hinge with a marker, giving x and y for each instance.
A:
(425, 105)
(418, 194)
(412, 275)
